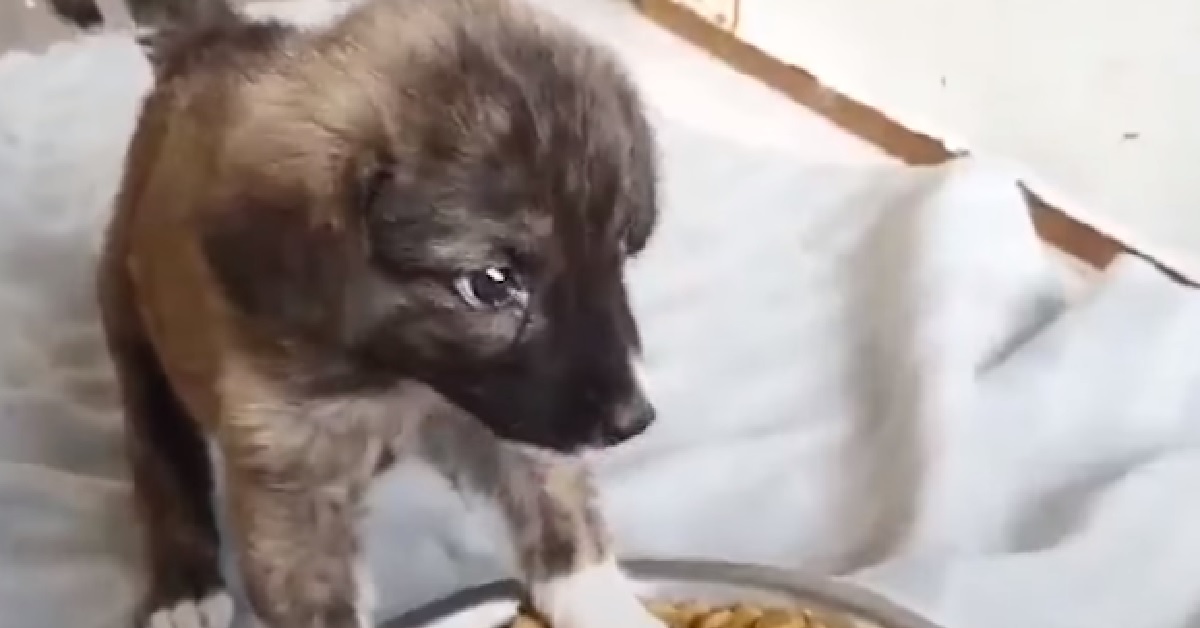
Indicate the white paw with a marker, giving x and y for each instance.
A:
(596, 597)
(214, 611)
(365, 584)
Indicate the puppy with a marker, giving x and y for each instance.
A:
(332, 248)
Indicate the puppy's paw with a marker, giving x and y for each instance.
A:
(213, 611)
(600, 596)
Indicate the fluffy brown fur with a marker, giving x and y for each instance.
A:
(409, 228)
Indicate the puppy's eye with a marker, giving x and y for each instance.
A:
(493, 287)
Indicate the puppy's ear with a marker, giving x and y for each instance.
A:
(641, 190)
(298, 266)
(284, 268)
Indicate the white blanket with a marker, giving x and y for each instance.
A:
(871, 372)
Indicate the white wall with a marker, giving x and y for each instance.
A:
(1099, 99)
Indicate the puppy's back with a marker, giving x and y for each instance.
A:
(152, 273)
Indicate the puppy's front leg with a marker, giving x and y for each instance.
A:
(562, 544)
(299, 553)
(296, 476)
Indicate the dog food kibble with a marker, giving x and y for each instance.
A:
(693, 615)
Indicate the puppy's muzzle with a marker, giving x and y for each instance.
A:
(631, 419)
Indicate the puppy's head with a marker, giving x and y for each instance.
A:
(448, 192)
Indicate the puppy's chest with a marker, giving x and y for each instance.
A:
(321, 439)
(338, 440)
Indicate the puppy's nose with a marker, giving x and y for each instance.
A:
(630, 420)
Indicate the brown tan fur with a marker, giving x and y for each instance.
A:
(236, 287)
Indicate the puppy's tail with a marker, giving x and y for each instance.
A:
(149, 15)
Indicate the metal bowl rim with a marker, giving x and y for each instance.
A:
(833, 593)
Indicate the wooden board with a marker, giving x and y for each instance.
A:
(1054, 226)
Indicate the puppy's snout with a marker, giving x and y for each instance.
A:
(630, 420)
